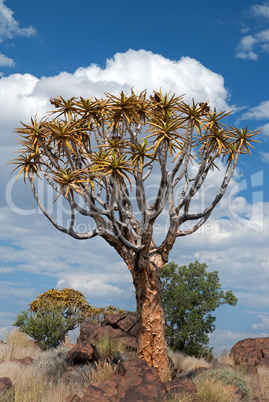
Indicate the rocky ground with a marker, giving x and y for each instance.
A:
(133, 380)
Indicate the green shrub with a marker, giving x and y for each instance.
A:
(225, 377)
(47, 326)
(188, 319)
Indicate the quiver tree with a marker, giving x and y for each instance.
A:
(72, 304)
(101, 155)
(55, 312)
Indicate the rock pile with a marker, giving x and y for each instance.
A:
(121, 325)
(135, 381)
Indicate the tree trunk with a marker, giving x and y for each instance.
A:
(152, 347)
(66, 339)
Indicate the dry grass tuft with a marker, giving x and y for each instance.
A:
(103, 370)
(29, 385)
(43, 382)
(61, 391)
(34, 383)
(185, 362)
(258, 382)
(18, 339)
(109, 347)
(18, 345)
(263, 380)
(9, 352)
(52, 363)
(211, 390)
(226, 358)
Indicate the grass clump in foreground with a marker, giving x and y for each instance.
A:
(258, 382)
(224, 377)
(212, 390)
(52, 363)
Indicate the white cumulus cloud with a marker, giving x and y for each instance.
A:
(264, 324)
(265, 129)
(23, 95)
(6, 61)
(261, 10)
(259, 112)
(9, 27)
(250, 46)
(245, 48)
(140, 70)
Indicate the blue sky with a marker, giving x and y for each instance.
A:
(208, 50)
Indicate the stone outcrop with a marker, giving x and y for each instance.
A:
(81, 353)
(122, 325)
(251, 352)
(133, 381)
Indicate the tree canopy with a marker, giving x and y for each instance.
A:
(94, 147)
(190, 294)
(72, 303)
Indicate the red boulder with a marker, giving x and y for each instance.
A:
(251, 352)
(81, 353)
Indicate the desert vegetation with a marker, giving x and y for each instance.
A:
(50, 374)
(50, 377)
